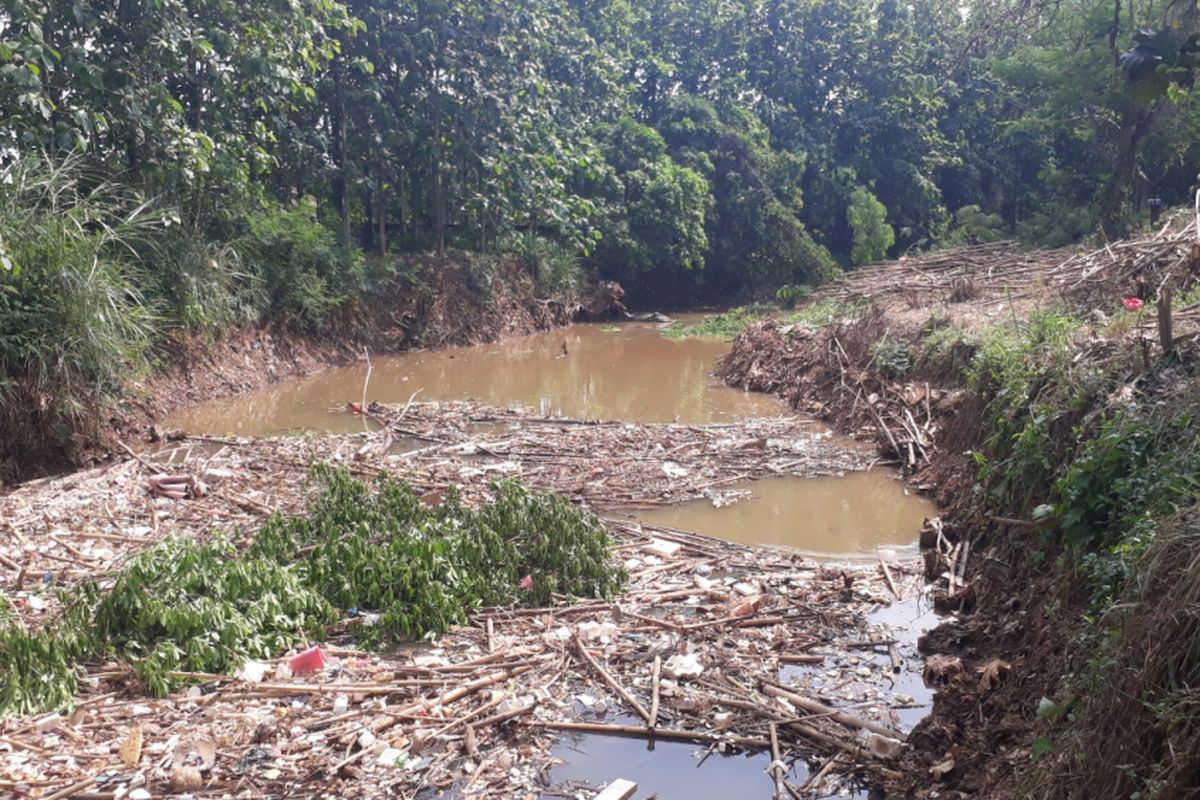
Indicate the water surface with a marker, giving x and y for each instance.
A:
(625, 372)
(853, 514)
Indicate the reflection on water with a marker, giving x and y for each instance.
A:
(853, 514)
(626, 372)
(666, 769)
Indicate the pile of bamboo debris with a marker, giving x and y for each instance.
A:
(713, 643)
(998, 267)
(1142, 266)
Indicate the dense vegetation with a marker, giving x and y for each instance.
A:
(399, 568)
(1099, 447)
(194, 165)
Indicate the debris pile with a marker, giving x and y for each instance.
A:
(715, 644)
(952, 275)
(712, 642)
(835, 364)
(1141, 267)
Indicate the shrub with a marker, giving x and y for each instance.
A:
(554, 267)
(971, 225)
(873, 237)
(72, 321)
(894, 359)
(790, 294)
(306, 272)
(205, 287)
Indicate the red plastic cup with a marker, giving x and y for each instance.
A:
(310, 660)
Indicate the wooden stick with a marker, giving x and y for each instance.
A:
(496, 719)
(367, 379)
(801, 658)
(446, 699)
(655, 675)
(74, 787)
(962, 562)
(849, 720)
(1165, 336)
(611, 681)
(853, 749)
(814, 781)
(488, 706)
(142, 461)
(776, 762)
(887, 576)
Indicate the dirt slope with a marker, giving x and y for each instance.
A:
(1015, 610)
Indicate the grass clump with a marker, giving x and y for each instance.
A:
(728, 324)
(725, 325)
(1023, 370)
(824, 312)
(72, 320)
(185, 606)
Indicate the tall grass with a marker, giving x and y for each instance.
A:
(73, 322)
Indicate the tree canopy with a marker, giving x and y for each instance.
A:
(710, 147)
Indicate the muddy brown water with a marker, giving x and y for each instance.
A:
(623, 372)
(824, 516)
(627, 372)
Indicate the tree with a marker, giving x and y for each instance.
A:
(868, 219)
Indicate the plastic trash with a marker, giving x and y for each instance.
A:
(310, 660)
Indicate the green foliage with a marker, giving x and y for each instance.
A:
(726, 325)
(306, 273)
(893, 358)
(425, 569)
(208, 606)
(204, 286)
(1021, 369)
(555, 268)
(790, 294)
(824, 312)
(72, 318)
(1161, 59)
(970, 225)
(656, 208)
(868, 219)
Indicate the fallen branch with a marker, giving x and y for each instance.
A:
(639, 732)
(611, 681)
(849, 720)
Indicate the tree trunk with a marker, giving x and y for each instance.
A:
(382, 210)
(439, 189)
(1138, 125)
(341, 193)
